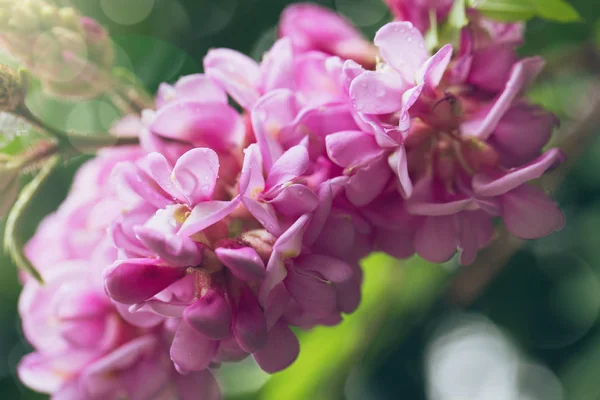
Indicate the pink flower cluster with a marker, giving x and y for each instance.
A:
(226, 228)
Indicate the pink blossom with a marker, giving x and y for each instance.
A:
(417, 11)
(312, 27)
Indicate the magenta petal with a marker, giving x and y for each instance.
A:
(128, 177)
(402, 46)
(277, 68)
(327, 191)
(522, 74)
(314, 295)
(195, 174)
(409, 98)
(416, 207)
(250, 326)
(378, 92)
(289, 243)
(368, 182)
(238, 74)
(476, 231)
(275, 274)
(351, 148)
(244, 263)
(399, 165)
(176, 250)
(190, 350)
(295, 200)
(206, 214)
(528, 213)
(210, 315)
(290, 165)
(280, 351)
(133, 281)
(484, 185)
(332, 269)
(197, 385)
(436, 239)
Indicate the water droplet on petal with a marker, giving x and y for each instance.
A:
(380, 92)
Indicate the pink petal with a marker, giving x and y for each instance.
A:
(196, 173)
(48, 373)
(210, 315)
(264, 213)
(528, 213)
(206, 214)
(214, 125)
(522, 74)
(368, 182)
(276, 273)
(250, 326)
(199, 87)
(133, 281)
(351, 148)
(416, 207)
(275, 110)
(280, 351)
(252, 181)
(332, 269)
(197, 385)
(314, 295)
(176, 250)
(295, 200)
(160, 171)
(485, 185)
(399, 165)
(433, 70)
(190, 350)
(327, 191)
(436, 239)
(378, 92)
(127, 176)
(289, 243)
(238, 74)
(277, 67)
(409, 98)
(402, 46)
(244, 263)
(140, 319)
(476, 231)
(292, 164)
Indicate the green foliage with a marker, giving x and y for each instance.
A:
(522, 10)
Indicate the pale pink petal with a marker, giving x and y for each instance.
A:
(351, 148)
(277, 67)
(196, 173)
(399, 165)
(368, 181)
(159, 170)
(280, 351)
(327, 191)
(252, 180)
(210, 315)
(176, 250)
(239, 75)
(402, 46)
(128, 177)
(133, 281)
(485, 185)
(433, 70)
(378, 92)
(529, 213)
(264, 213)
(206, 214)
(199, 87)
(409, 98)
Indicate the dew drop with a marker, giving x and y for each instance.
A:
(380, 92)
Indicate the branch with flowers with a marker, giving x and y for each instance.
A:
(205, 232)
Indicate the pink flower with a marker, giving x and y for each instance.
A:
(312, 27)
(417, 11)
(454, 139)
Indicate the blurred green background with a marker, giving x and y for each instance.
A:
(423, 331)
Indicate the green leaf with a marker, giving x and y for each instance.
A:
(457, 19)
(432, 37)
(522, 10)
(556, 10)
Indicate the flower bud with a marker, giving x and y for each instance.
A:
(13, 88)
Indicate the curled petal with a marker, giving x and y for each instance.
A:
(368, 182)
(176, 250)
(280, 351)
(264, 213)
(292, 164)
(252, 181)
(133, 281)
(399, 164)
(206, 214)
(433, 69)
(485, 185)
(276, 273)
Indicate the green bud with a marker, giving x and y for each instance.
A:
(13, 88)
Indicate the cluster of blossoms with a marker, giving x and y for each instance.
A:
(227, 228)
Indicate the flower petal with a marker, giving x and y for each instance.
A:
(250, 326)
(210, 315)
(378, 92)
(206, 214)
(368, 182)
(244, 263)
(436, 239)
(292, 164)
(176, 250)
(295, 200)
(433, 69)
(528, 213)
(195, 174)
(402, 46)
(190, 350)
(136, 280)
(399, 164)
(280, 351)
(197, 385)
(351, 148)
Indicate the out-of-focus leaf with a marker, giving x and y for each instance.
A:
(522, 10)
(457, 19)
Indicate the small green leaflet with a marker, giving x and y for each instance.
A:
(521, 10)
